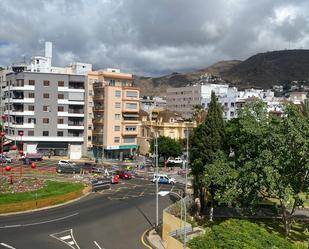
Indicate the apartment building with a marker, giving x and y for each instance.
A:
(46, 103)
(182, 99)
(114, 114)
(49, 109)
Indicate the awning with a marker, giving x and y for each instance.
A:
(131, 115)
(52, 145)
(133, 146)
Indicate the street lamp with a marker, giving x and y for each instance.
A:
(2, 134)
(164, 193)
(21, 152)
(157, 180)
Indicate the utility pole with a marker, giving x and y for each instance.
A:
(157, 181)
(186, 186)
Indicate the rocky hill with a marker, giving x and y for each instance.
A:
(261, 70)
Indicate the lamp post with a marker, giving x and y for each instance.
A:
(164, 193)
(2, 134)
(21, 152)
(157, 180)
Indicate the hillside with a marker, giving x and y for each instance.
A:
(157, 86)
(261, 70)
(267, 69)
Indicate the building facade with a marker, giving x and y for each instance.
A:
(182, 99)
(114, 112)
(49, 109)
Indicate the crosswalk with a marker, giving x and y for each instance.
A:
(66, 237)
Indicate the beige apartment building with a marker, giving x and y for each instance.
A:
(113, 106)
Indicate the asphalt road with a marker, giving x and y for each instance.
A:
(108, 219)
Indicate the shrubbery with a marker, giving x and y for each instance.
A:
(239, 234)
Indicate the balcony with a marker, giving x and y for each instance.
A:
(76, 111)
(98, 108)
(98, 84)
(75, 134)
(76, 85)
(127, 132)
(98, 97)
(98, 120)
(97, 131)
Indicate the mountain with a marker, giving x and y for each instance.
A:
(267, 69)
(157, 86)
(262, 70)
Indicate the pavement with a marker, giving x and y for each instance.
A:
(108, 219)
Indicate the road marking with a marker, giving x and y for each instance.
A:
(7, 246)
(72, 243)
(96, 243)
(142, 240)
(39, 223)
(66, 237)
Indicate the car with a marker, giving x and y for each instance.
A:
(67, 167)
(5, 159)
(65, 162)
(164, 179)
(123, 174)
(93, 168)
(114, 178)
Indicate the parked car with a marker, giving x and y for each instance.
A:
(123, 174)
(164, 179)
(65, 166)
(114, 178)
(33, 156)
(5, 159)
(175, 160)
(93, 168)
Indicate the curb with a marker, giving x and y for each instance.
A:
(48, 207)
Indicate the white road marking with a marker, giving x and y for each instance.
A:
(7, 246)
(72, 243)
(39, 223)
(96, 243)
(66, 237)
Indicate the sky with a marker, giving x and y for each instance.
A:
(150, 37)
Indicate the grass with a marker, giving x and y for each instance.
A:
(259, 234)
(53, 193)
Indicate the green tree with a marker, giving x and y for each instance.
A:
(271, 157)
(207, 141)
(167, 147)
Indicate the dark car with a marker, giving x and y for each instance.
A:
(68, 168)
(124, 174)
(93, 168)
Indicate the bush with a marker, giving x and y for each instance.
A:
(239, 234)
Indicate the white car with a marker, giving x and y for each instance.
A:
(163, 179)
(65, 163)
(176, 160)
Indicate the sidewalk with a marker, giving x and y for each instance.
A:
(155, 240)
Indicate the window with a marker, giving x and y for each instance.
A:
(117, 93)
(59, 133)
(132, 94)
(60, 121)
(226, 104)
(60, 96)
(45, 108)
(116, 128)
(45, 133)
(89, 138)
(129, 140)
(232, 114)
(45, 121)
(130, 128)
(90, 104)
(31, 120)
(60, 108)
(30, 133)
(232, 104)
(90, 92)
(60, 83)
(117, 116)
(131, 105)
(31, 82)
(111, 82)
(31, 95)
(30, 107)
(46, 95)
(46, 82)
(117, 104)
(90, 127)
(116, 139)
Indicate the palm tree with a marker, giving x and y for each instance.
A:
(199, 113)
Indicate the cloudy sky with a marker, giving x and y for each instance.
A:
(150, 37)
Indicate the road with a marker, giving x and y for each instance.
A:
(108, 219)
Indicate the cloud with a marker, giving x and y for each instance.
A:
(150, 37)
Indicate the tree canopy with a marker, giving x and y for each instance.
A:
(167, 147)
